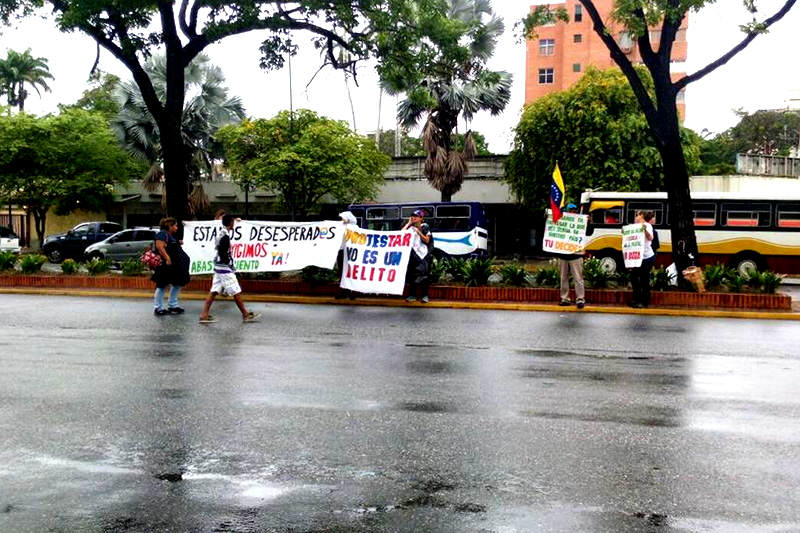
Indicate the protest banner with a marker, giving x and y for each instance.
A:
(633, 245)
(567, 236)
(376, 261)
(265, 246)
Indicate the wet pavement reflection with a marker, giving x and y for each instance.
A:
(370, 419)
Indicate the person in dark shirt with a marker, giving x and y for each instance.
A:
(173, 270)
(225, 281)
(419, 263)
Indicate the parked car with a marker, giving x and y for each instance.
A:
(73, 243)
(9, 241)
(122, 245)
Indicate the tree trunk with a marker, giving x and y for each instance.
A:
(446, 196)
(174, 152)
(39, 220)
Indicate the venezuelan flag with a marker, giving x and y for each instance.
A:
(557, 193)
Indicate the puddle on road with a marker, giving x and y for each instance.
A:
(83, 466)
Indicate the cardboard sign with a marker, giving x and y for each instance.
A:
(376, 261)
(633, 245)
(265, 246)
(567, 236)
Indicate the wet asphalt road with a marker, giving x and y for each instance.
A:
(372, 419)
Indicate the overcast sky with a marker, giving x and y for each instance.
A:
(764, 76)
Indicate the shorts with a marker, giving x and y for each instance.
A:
(225, 284)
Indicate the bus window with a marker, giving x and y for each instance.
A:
(452, 218)
(704, 214)
(406, 212)
(607, 216)
(788, 215)
(745, 215)
(656, 207)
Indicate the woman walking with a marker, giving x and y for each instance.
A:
(173, 271)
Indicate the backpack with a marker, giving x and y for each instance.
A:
(655, 244)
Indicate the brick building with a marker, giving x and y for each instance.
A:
(560, 53)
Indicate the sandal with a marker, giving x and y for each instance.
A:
(208, 320)
(251, 317)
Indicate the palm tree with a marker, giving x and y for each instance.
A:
(455, 85)
(207, 108)
(18, 70)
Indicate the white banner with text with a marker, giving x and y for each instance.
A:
(633, 245)
(265, 246)
(376, 261)
(567, 236)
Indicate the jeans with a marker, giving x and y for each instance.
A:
(158, 297)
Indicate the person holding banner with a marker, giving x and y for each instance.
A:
(225, 281)
(419, 264)
(640, 276)
(573, 264)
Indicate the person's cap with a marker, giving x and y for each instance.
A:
(572, 206)
(419, 213)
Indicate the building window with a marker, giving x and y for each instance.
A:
(545, 76)
(577, 38)
(578, 13)
(576, 67)
(547, 47)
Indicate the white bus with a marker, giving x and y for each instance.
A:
(744, 231)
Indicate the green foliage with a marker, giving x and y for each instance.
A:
(622, 278)
(20, 69)
(753, 280)
(7, 260)
(659, 279)
(770, 281)
(99, 97)
(98, 266)
(455, 267)
(734, 281)
(320, 276)
(476, 271)
(32, 263)
(63, 162)
(548, 276)
(437, 270)
(715, 275)
(132, 266)
(69, 266)
(412, 146)
(594, 275)
(305, 157)
(514, 275)
(598, 135)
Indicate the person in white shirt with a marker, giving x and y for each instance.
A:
(640, 276)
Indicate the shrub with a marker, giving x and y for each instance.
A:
(714, 275)
(319, 276)
(7, 260)
(476, 271)
(754, 280)
(594, 275)
(132, 266)
(69, 266)
(659, 279)
(770, 281)
(734, 281)
(437, 270)
(32, 263)
(548, 276)
(514, 275)
(622, 278)
(454, 267)
(98, 266)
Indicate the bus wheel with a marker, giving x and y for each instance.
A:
(746, 263)
(610, 260)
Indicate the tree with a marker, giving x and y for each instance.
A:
(18, 70)
(597, 134)
(636, 18)
(208, 109)
(100, 95)
(62, 162)
(305, 157)
(132, 31)
(766, 132)
(453, 83)
(412, 146)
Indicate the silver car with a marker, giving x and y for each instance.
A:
(122, 245)
(9, 242)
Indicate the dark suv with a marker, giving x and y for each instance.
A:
(72, 243)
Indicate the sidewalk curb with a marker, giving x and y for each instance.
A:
(399, 302)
